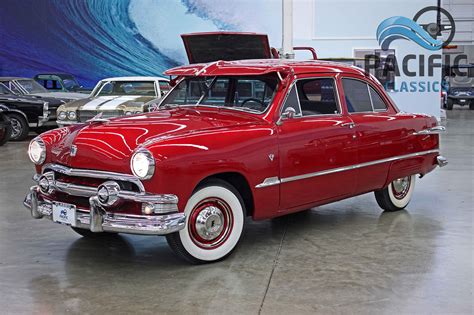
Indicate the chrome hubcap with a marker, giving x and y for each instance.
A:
(401, 187)
(210, 223)
(16, 127)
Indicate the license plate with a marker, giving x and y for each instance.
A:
(64, 213)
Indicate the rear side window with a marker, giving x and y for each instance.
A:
(377, 102)
(357, 96)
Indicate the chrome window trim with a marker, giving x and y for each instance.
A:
(79, 172)
(338, 103)
(271, 181)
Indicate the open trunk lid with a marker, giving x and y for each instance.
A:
(209, 47)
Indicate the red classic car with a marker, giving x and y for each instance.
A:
(259, 138)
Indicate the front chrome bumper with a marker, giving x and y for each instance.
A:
(98, 220)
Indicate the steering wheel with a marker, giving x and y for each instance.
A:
(260, 105)
(435, 28)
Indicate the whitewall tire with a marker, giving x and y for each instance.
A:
(215, 216)
(397, 194)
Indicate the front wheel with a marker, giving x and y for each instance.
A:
(397, 194)
(20, 127)
(214, 223)
(6, 133)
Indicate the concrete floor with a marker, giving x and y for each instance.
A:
(347, 257)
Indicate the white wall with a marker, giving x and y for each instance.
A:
(336, 27)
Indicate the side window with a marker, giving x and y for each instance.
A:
(164, 87)
(357, 96)
(377, 102)
(317, 96)
(292, 101)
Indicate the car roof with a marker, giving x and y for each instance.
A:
(58, 74)
(14, 78)
(263, 66)
(135, 79)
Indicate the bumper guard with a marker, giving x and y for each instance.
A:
(98, 220)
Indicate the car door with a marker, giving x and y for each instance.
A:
(380, 134)
(315, 146)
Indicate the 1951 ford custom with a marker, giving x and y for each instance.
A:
(259, 138)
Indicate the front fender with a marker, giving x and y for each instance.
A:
(182, 162)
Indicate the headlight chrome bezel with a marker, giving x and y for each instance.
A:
(42, 154)
(62, 115)
(148, 156)
(71, 115)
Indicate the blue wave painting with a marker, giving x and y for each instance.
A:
(399, 27)
(94, 39)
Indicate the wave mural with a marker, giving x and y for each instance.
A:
(93, 39)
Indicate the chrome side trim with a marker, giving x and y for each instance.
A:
(78, 172)
(431, 131)
(275, 181)
(270, 181)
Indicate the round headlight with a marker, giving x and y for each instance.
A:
(37, 151)
(142, 164)
(62, 115)
(71, 115)
(128, 113)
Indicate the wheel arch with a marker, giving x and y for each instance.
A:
(240, 182)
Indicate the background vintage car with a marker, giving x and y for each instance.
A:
(28, 112)
(114, 97)
(28, 86)
(60, 82)
(461, 86)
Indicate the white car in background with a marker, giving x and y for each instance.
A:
(113, 97)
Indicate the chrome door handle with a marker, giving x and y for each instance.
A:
(349, 124)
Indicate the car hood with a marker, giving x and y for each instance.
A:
(53, 102)
(113, 102)
(63, 95)
(109, 145)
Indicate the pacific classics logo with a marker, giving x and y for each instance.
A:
(427, 35)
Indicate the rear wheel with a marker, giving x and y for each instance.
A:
(397, 194)
(449, 104)
(20, 128)
(214, 223)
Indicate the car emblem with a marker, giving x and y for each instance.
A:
(271, 156)
(73, 150)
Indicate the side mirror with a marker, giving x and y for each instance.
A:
(289, 113)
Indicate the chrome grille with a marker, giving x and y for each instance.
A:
(85, 115)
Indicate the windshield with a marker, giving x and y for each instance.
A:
(31, 86)
(70, 82)
(254, 94)
(127, 88)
